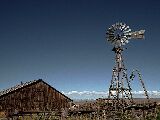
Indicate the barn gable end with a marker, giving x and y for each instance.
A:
(35, 96)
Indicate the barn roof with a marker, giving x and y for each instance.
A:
(23, 85)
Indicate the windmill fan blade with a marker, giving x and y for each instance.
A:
(126, 31)
(126, 28)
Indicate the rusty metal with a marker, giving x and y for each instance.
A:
(133, 74)
(120, 88)
(120, 99)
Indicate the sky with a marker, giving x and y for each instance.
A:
(63, 42)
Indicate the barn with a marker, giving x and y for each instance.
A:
(32, 97)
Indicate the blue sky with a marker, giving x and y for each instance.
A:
(63, 42)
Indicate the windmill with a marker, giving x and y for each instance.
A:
(120, 93)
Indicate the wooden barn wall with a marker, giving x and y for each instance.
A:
(37, 97)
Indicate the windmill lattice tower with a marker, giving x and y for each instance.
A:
(120, 89)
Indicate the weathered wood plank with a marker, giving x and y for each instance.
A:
(36, 97)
